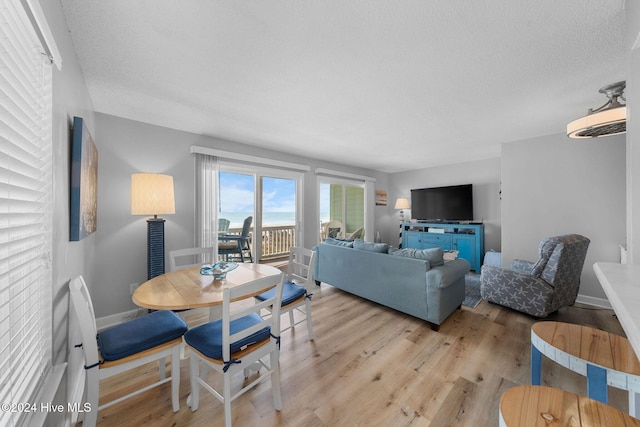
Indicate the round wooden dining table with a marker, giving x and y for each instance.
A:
(188, 289)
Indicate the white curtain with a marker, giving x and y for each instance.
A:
(207, 202)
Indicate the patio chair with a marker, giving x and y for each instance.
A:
(223, 226)
(356, 234)
(234, 246)
(332, 229)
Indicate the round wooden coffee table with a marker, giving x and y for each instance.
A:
(534, 406)
(604, 358)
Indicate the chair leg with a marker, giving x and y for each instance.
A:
(291, 319)
(275, 379)
(175, 377)
(309, 322)
(194, 399)
(93, 392)
(226, 395)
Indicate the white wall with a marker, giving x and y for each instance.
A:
(555, 185)
(126, 147)
(483, 174)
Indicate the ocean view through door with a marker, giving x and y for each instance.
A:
(271, 199)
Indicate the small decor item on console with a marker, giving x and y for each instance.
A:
(218, 270)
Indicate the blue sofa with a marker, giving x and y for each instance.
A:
(415, 282)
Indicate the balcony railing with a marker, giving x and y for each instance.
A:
(275, 242)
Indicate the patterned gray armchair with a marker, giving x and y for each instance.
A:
(543, 287)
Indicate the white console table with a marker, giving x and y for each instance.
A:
(621, 283)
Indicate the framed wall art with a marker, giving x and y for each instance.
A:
(84, 182)
(381, 198)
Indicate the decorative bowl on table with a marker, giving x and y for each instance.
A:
(218, 270)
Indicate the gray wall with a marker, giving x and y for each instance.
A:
(70, 98)
(126, 147)
(632, 16)
(483, 174)
(555, 185)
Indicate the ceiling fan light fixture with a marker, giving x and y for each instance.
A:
(610, 119)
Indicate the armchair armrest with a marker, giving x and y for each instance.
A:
(522, 266)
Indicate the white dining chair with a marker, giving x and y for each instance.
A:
(191, 257)
(241, 338)
(298, 288)
(150, 338)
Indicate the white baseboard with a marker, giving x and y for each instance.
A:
(115, 319)
(595, 302)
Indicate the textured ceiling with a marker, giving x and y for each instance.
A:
(383, 84)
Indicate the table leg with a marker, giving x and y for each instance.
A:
(634, 404)
(536, 366)
(597, 383)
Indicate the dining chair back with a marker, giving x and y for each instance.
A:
(298, 288)
(241, 338)
(234, 246)
(190, 257)
(150, 338)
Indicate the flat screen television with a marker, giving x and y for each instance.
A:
(443, 204)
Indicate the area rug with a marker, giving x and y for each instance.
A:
(472, 290)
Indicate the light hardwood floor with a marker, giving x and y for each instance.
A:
(370, 366)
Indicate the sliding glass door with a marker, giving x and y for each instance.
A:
(342, 208)
(278, 204)
(271, 198)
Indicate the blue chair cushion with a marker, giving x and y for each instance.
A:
(207, 338)
(140, 334)
(290, 293)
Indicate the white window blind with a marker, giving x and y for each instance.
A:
(26, 212)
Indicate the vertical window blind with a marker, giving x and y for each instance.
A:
(26, 212)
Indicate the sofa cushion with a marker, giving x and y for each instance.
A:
(338, 242)
(371, 247)
(435, 256)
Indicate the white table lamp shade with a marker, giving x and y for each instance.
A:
(402, 203)
(152, 194)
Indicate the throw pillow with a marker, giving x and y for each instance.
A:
(372, 247)
(435, 256)
(339, 242)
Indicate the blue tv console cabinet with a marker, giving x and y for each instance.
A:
(467, 239)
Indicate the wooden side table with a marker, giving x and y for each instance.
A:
(604, 358)
(534, 406)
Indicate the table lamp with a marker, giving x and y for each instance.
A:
(402, 203)
(152, 194)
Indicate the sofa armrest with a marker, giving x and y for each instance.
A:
(444, 275)
(522, 266)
